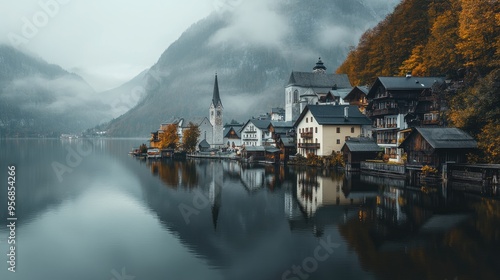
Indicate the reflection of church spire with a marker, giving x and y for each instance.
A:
(215, 195)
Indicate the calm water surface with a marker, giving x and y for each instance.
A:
(87, 210)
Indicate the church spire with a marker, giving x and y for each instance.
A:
(216, 97)
(320, 67)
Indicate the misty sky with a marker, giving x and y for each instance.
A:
(107, 42)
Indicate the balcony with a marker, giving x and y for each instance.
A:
(388, 126)
(309, 145)
(386, 111)
(250, 131)
(386, 141)
(307, 135)
(430, 121)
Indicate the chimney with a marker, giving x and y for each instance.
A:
(408, 74)
(346, 112)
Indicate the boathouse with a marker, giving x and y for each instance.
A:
(356, 150)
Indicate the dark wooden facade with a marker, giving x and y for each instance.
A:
(435, 146)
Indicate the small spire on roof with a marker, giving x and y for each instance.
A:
(320, 67)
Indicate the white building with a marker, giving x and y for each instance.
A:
(316, 87)
(323, 129)
(255, 132)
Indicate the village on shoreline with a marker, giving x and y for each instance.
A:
(395, 127)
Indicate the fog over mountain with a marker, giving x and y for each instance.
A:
(37, 98)
(253, 47)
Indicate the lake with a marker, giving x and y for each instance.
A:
(85, 209)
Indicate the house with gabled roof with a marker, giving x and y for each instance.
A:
(232, 135)
(305, 88)
(395, 101)
(436, 145)
(323, 129)
(356, 150)
(358, 96)
(255, 132)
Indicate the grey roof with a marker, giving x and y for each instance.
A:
(352, 93)
(342, 93)
(261, 124)
(204, 144)
(362, 145)
(334, 115)
(271, 149)
(237, 131)
(446, 138)
(288, 141)
(194, 120)
(277, 124)
(216, 97)
(319, 80)
(255, 148)
(404, 83)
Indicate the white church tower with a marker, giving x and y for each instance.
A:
(216, 110)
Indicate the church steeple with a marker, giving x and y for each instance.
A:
(216, 97)
(216, 111)
(320, 67)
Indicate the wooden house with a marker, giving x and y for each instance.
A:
(435, 146)
(395, 103)
(356, 150)
(357, 96)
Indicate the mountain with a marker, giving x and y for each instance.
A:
(41, 99)
(126, 96)
(253, 46)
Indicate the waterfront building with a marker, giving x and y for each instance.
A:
(323, 129)
(255, 132)
(356, 150)
(438, 145)
(397, 103)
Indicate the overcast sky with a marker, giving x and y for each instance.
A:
(108, 41)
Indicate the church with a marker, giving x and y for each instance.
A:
(316, 87)
(216, 114)
(211, 127)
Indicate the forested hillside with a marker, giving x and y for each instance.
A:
(459, 39)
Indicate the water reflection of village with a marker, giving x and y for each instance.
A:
(442, 234)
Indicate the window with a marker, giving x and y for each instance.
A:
(338, 141)
(338, 129)
(316, 140)
(312, 119)
(307, 120)
(352, 129)
(316, 130)
(296, 96)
